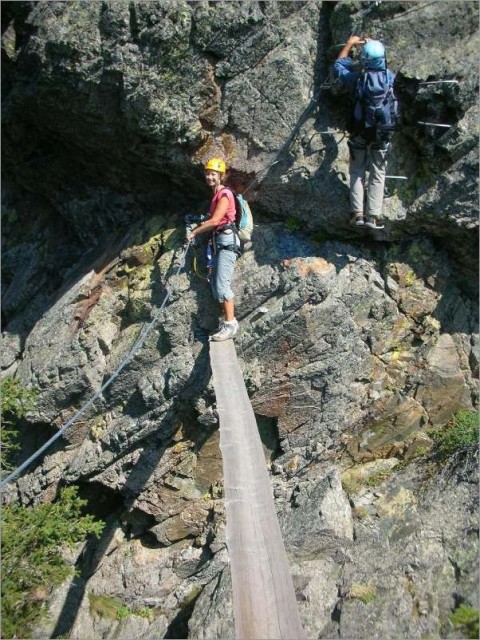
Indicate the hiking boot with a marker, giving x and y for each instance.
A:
(373, 223)
(226, 331)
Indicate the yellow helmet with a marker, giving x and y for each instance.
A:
(216, 164)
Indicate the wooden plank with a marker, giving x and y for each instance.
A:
(264, 600)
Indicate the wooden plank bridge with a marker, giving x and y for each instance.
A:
(264, 600)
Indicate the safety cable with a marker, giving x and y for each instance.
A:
(145, 331)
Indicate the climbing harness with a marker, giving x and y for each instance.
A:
(211, 249)
(145, 331)
(235, 246)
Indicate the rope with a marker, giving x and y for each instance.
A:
(196, 268)
(145, 331)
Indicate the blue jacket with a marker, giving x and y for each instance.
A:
(343, 69)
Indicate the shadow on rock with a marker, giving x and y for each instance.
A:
(148, 461)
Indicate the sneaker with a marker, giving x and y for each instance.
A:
(226, 331)
(357, 219)
(373, 223)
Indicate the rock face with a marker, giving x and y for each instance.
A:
(360, 347)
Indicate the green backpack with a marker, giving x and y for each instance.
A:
(243, 218)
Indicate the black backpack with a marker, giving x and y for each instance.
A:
(375, 113)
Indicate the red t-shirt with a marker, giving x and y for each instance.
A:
(231, 211)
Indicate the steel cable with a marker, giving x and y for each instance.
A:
(145, 331)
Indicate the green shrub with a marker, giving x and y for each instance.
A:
(460, 434)
(16, 401)
(105, 606)
(466, 620)
(114, 609)
(32, 562)
(123, 612)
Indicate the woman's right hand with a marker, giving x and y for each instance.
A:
(353, 40)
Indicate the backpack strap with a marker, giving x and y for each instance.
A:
(227, 189)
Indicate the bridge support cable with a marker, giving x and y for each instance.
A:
(264, 600)
(144, 333)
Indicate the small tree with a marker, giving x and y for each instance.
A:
(16, 401)
(32, 562)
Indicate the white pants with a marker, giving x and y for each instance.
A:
(372, 158)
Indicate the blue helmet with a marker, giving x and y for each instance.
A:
(373, 50)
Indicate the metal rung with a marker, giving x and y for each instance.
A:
(397, 177)
(434, 124)
(440, 82)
